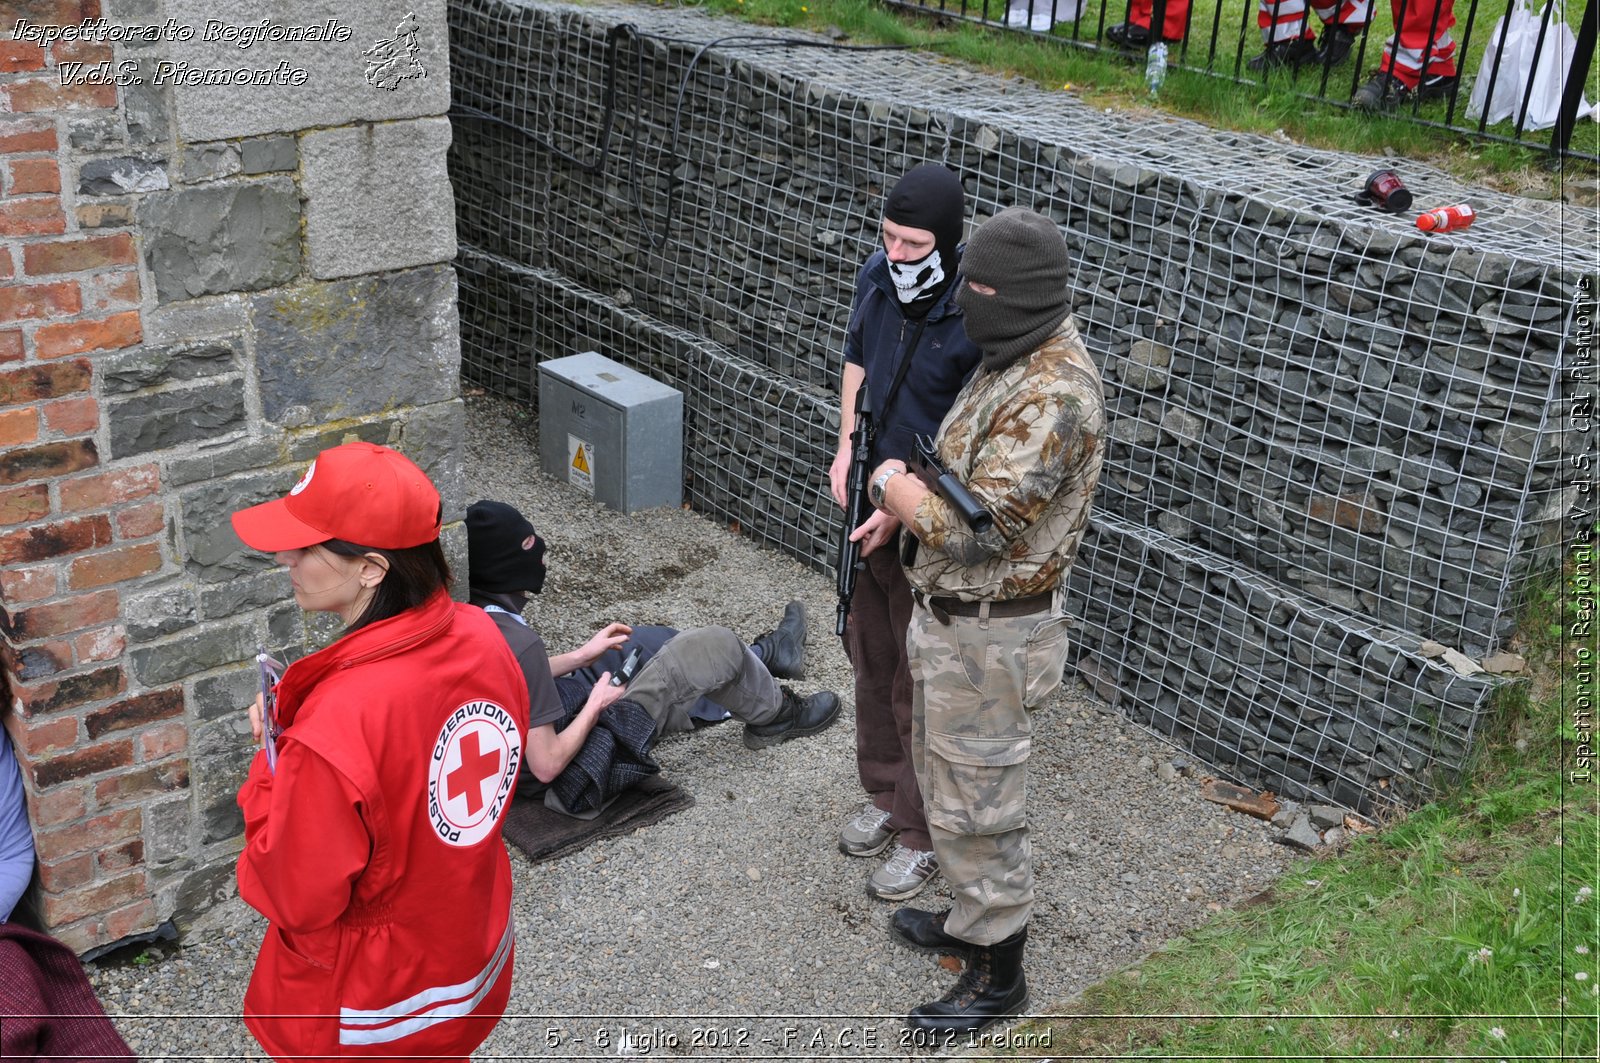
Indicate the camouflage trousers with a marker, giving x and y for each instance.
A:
(976, 678)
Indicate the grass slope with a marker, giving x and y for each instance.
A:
(1468, 930)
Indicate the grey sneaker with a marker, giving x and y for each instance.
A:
(904, 874)
(868, 834)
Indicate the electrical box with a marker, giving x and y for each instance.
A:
(611, 432)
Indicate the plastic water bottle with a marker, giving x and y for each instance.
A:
(1155, 66)
(1445, 219)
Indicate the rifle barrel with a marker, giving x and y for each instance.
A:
(855, 506)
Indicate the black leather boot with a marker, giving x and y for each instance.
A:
(783, 649)
(1128, 35)
(1334, 45)
(797, 718)
(925, 930)
(1291, 53)
(991, 988)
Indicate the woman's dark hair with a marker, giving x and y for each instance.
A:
(416, 573)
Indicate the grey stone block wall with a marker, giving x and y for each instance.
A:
(234, 237)
(753, 442)
(336, 94)
(1364, 418)
(368, 210)
(293, 245)
(335, 350)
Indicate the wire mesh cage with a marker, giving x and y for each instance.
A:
(1310, 403)
(1301, 698)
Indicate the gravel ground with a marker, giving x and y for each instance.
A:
(736, 928)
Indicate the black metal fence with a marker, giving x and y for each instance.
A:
(1503, 70)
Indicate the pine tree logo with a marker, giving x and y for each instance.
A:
(392, 61)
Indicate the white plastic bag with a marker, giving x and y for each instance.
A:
(1514, 40)
(1046, 13)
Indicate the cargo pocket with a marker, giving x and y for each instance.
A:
(1046, 653)
(977, 785)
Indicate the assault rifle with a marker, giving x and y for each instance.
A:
(856, 505)
(932, 472)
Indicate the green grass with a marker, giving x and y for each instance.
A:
(1106, 79)
(1462, 931)
(1424, 941)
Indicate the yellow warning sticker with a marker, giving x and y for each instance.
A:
(580, 464)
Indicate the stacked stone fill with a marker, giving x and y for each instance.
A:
(1362, 424)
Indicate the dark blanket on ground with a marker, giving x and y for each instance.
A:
(545, 834)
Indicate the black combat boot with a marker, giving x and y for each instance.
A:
(1334, 45)
(925, 930)
(797, 718)
(991, 988)
(783, 649)
(1128, 35)
(1279, 54)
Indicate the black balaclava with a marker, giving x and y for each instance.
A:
(504, 554)
(927, 197)
(1021, 256)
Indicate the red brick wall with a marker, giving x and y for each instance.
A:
(164, 298)
(73, 529)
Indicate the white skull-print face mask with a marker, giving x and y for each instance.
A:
(915, 279)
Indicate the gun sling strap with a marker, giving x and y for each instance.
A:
(900, 374)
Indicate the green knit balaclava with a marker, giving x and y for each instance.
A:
(1021, 256)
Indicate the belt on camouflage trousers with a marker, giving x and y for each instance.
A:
(944, 608)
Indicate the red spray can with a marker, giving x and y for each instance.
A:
(1445, 219)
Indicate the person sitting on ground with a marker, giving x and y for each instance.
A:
(506, 563)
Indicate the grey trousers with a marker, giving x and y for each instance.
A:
(705, 661)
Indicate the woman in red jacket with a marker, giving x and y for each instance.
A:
(372, 818)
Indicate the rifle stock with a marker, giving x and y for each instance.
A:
(855, 509)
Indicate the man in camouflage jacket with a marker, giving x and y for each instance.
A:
(988, 640)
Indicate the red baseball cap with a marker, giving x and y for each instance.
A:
(359, 492)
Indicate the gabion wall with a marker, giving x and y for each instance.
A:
(1331, 437)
